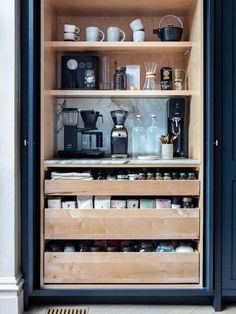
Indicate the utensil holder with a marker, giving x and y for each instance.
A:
(167, 151)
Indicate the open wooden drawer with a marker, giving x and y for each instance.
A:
(102, 267)
(125, 223)
(105, 187)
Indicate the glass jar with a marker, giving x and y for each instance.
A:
(150, 176)
(183, 176)
(191, 176)
(167, 176)
(175, 176)
(159, 176)
(146, 246)
(122, 177)
(187, 202)
(141, 176)
(120, 79)
(133, 176)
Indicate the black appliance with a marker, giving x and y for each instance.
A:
(178, 125)
(79, 72)
(91, 140)
(119, 134)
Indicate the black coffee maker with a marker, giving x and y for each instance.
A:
(119, 134)
(91, 140)
(178, 125)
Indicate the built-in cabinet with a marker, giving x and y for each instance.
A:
(153, 269)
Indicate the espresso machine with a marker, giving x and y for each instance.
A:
(178, 125)
(119, 134)
(91, 139)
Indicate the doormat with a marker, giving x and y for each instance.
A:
(59, 310)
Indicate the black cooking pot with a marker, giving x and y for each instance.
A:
(170, 32)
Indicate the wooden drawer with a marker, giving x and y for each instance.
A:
(123, 188)
(77, 268)
(122, 224)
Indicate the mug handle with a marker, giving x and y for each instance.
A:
(77, 37)
(103, 36)
(77, 30)
(123, 34)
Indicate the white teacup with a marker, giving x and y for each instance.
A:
(69, 28)
(71, 37)
(138, 36)
(115, 34)
(94, 34)
(136, 25)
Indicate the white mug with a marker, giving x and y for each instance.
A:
(94, 34)
(167, 151)
(115, 34)
(69, 28)
(136, 25)
(138, 36)
(71, 37)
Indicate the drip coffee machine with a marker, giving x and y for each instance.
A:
(178, 125)
(119, 134)
(91, 140)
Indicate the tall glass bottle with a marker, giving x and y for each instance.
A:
(153, 138)
(138, 138)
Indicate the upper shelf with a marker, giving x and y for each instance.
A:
(121, 7)
(118, 93)
(126, 47)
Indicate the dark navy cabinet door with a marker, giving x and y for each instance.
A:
(229, 149)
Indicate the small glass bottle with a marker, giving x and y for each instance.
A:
(150, 176)
(159, 176)
(191, 176)
(187, 202)
(175, 176)
(183, 176)
(167, 176)
(141, 176)
(120, 79)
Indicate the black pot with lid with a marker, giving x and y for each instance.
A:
(170, 32)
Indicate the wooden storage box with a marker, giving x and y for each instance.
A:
(122, 224)
(120, 268)
(123, 188)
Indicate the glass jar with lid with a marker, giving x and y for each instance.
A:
(167, 176)
(175, 176)
(183, 176)
(150, 176)
(159, 176)
(120, 78)
(141, 175)
(191, 176)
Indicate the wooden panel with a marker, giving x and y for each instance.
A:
(121, 268)
(105, 187)
(120, 94)
(147, 47)
(121, 224)
(122, 7)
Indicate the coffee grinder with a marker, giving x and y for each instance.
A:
(91, 140)
(178, 125)
(119, 134)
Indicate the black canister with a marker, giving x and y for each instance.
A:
(120, 79)
(166, 78)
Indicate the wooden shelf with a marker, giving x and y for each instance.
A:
(122, 188)
(118, 94)
(126, 163)
(121, 224)
(122, 7)
(125, 47)
(102, 267)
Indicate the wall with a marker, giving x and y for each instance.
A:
(10, 277)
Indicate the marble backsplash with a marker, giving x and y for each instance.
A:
(144, 107)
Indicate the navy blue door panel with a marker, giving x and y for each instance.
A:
(229, 147)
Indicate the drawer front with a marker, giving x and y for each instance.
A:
(123, 188)
(122, 224)
(77, 268)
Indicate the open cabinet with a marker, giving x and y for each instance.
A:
(118, 269)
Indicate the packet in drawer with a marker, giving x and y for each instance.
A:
(102, 202)
(85, 202)
(118, 204)
(54, 202)
(147, 203)
(69, 204)
(163, 203)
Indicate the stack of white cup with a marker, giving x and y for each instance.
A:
(71, 32)
(138, 30)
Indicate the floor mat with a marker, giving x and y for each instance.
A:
(61, 310)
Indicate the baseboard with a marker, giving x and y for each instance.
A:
(11, 295)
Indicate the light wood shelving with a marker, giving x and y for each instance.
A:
(131, 224)
(103, 270)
